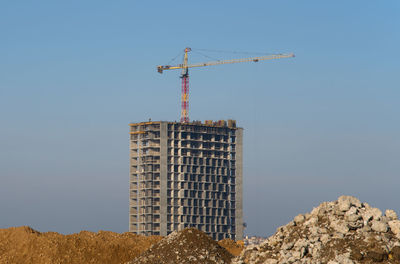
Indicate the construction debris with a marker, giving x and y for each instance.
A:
(187, 246)
(345, 231)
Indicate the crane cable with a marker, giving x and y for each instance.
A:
(208, 57)
(174, 58)
(236, 52)
(217, 51)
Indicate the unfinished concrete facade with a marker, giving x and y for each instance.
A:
(186, 175)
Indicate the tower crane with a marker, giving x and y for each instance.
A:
(185, 74)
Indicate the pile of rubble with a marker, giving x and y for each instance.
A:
(345, 231)
(187, 246)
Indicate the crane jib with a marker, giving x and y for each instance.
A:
(185, 75)
(211, 63)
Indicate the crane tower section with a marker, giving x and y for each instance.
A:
(185, 89)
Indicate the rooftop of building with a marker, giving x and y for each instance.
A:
(209, 123)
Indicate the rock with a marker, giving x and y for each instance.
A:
(301, 243)
(355, 225)
(377, 255)
(352, 211)
(299, 219)
(315, 212)
(273, 241)
(356, 255)
(325, 238)
(344, 259)
(353, 201)
(352, 217)
(395, 253)
(365, 229)
(384, 219)
(391, 215)
(288, 246)
(344, 205)
(379, 226)
(339, 226)
(375, 213)
(311, 222)
(395, 227)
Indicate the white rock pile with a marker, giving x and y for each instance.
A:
(345, 231)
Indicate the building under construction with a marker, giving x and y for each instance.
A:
(186, 174)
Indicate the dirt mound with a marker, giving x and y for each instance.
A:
(345, 231)
(187, 246)
(25, 245)
(235, 248)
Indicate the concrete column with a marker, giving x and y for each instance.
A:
(163, 177)
(239, 184)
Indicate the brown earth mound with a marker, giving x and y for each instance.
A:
(25, 245)
(187, 246)
(235, 248)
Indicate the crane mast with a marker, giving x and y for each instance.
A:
(185, 74)
(185, 89)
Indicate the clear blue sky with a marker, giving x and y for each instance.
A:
(73, 74)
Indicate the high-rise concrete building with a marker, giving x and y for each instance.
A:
(186, 175)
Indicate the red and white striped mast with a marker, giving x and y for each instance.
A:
(185, 89)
